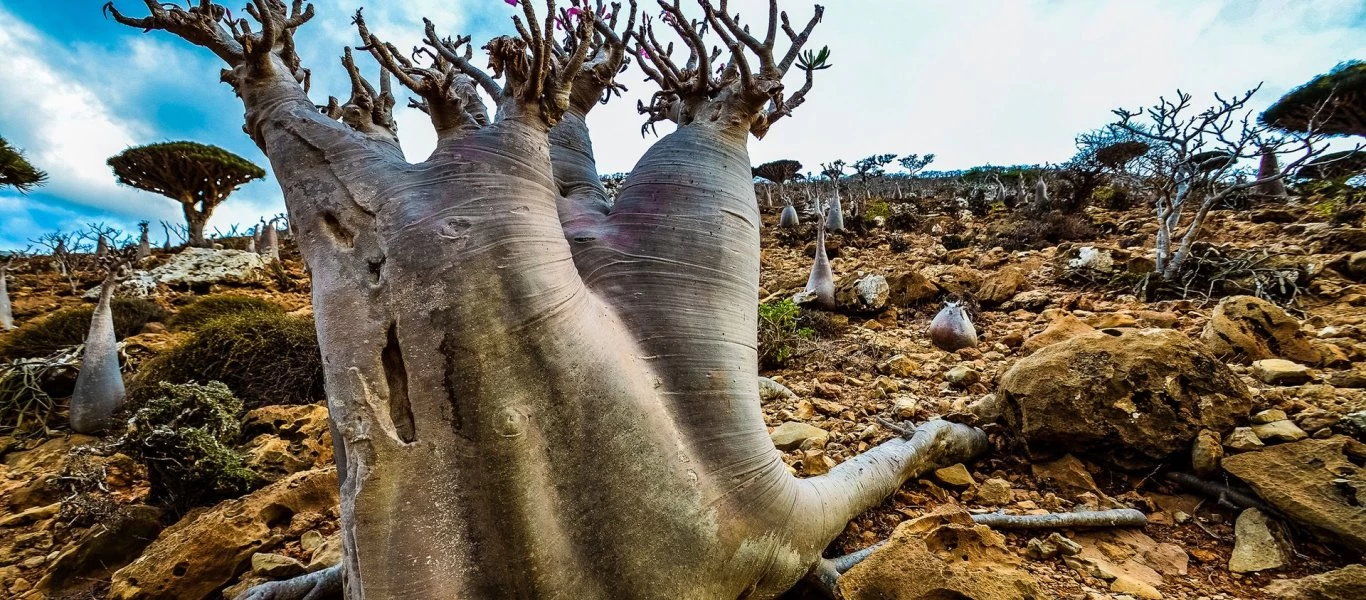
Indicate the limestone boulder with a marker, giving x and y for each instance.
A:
(941, 555)
(1347, 582)
(205, 551)
(1061, 329)
(287, 439)
(193, 268)
(1001, 286)
(1133, 396)
(1246, 328)
(862, 294)
(911, 288)
(1315, 483)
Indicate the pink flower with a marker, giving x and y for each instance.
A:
(573, 11)
(511, 2)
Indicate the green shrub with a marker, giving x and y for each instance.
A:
(879, 208)
(186, 436)
(780, 333)
(263, 357)
(68, 327)
(207, 308)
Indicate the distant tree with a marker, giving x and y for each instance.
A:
(1333, 103)
(1192, 164)
(1267, 168)
(1101, 154)
(15, 170)
(198, 176)
(914, 163)
(1335, 166)
(779, 172)
(871, 168)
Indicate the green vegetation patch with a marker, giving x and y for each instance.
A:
(205, 309)
(69, 326)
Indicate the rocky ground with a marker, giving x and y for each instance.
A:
(1092, 397)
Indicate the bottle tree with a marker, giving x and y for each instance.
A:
(198, 176)
(535, 391)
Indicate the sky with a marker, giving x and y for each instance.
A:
(974, 82)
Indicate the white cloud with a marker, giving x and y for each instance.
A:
(999, 81)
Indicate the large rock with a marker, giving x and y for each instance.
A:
(1134, 395)
(1315, 483)
(1246, 328)
(1061, 329)
(1346, 583)
(200, 554)
(1001, 286)
(1260, 543)
(193, 268)
(793, 435)
(1100, 263)
(939, 556)
(910, 288)
(287, 439)
(865, 294)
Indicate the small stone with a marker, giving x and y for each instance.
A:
(886, 384)
(1259, 543)
(955, 475)
(1278, 371)
(1068, 473)
(275, 565)
(326, 555)
(962, 375)
(1268, 416)
(20, 585)
(1038, 549)
(994, 492)
(310, 540)
(1066, 547)
(1279, 431)
(805, 410)
(1243, 439)
(828, 407)
(905, 408)
(901, 366)
(793, 435)
(1316, 419)
(1206, 452)
(1125, 584)
(34, 562)
(36, 513)
(815, 462)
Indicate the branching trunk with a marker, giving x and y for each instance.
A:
(99, 388)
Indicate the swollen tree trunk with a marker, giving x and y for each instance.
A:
(270, 241)
(99, 387)
(101, 246)
(789, 218)
(144, 245)
(834, 216)
(6, 312)
(821, 282)
(1269, 174)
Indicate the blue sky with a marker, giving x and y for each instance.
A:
(988, 81)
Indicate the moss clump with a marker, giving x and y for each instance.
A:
(186, 436)
(263, 357)
(780, 333)
(68, 327)
(208, 308)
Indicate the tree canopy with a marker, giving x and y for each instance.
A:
(1344, 90)
(1335, 165)
(16, 171)
(778, 171)
(187, 172)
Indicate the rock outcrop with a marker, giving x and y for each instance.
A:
(938, 556)
(1315, 483)
(196, 556)
(1246, 328)
(1132, 395)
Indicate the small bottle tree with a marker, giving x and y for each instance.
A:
(198, 176)
(779, 172)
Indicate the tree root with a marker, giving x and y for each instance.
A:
(1119, 517)
(1225, 495)
(318, 585)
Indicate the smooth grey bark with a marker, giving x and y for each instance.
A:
(99, 387)
(821, 281)
(270, 242)
(1118, 517)
(789, 217)
(834, 216)
(6, 311)
(536, 395)
(144, 243)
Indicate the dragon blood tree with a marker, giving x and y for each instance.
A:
(1331, 104)
(16, 171)
(537, 392)
(779, 172)
(198, 176)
